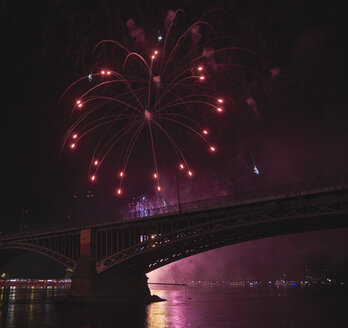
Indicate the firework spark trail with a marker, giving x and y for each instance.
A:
(162, 93)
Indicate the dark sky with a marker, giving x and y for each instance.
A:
(298, 131)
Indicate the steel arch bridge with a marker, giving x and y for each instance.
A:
(134, 244)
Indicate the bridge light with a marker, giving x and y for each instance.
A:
(155, 175)
(158, 188)
(200, 68)
(119, 191)
(96, 162)
(74, 136)
(212, 148)
(93, 178)
(181, 166)
(202, 77)
(220, 100)
(72, 146)
(121, 174)
(219, 109)
(205, 132)
(190, 173)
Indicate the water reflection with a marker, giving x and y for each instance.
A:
(169, 313)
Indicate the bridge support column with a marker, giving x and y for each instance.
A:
(111, 285)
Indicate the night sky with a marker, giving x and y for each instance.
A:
(297, 131)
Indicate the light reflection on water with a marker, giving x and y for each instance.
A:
(194, 307)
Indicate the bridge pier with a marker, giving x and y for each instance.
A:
(111, 285)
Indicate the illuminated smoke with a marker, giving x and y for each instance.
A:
(208, 52)
(252, 104)
(195, 34)
(169, 18)
(135, 32)
(274, 72)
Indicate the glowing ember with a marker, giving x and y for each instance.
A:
(147, 114)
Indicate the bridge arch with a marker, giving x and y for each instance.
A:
(21, 247)
(227, 229)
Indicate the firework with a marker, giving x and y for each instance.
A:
(154, 94)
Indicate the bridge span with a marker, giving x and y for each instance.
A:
(111, 259)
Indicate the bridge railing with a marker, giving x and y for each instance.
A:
(315, 185)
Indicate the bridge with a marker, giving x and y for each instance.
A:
(110, 260)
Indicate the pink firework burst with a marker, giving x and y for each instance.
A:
(171, 87)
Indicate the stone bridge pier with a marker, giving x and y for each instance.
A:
(111, 285)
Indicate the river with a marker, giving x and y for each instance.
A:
(185, 307)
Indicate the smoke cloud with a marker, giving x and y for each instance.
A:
(135, 32)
